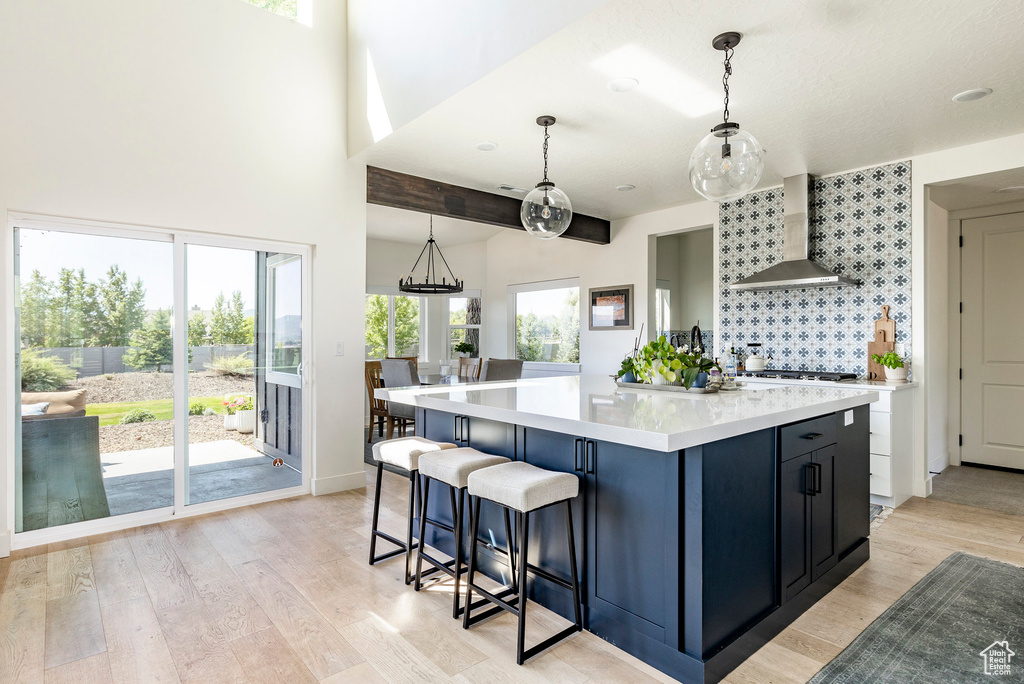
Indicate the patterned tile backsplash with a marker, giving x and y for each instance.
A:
(860, 227)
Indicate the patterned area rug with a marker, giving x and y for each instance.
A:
(962, 623)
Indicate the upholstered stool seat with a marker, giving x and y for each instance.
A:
(404, 453)
(526, 489)
(453, 468)
(523, 487)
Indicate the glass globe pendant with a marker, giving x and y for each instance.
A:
(728, 162)
(546, 210)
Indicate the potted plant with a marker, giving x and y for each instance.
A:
(657, 363)
(627, 372)
(239, 413)
(895, 370)
(695, 369)
(464, 349)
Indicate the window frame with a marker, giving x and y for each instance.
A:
(391, 293)
(663, 307)
(557, 284)
(275, 376)
(465, 294)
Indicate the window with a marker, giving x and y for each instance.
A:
(284, 320)
(394, 325)
(464, 319)
(296, 10)
(546, 321)
(663, 306)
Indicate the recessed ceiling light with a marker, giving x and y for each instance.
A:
(1012, 188)
(623, 85)
(625, 188)
(486, 146)
(511, 188)
(971, 95)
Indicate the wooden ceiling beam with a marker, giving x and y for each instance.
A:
(402, 191)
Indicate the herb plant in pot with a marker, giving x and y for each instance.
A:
(695, 369)
(895, 370)
(627, 372)
(464, 349)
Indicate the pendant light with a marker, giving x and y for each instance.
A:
(546, 210)
(430, 284)
(728, 162)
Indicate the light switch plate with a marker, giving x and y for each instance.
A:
(340, 349)
(848, 418)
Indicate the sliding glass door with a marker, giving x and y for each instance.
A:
(156, 372)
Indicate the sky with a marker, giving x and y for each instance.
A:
(211, 270)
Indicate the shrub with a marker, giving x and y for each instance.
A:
(137, 416)
(232, 365)
(196, 408)
(237, 402)
(41, 373)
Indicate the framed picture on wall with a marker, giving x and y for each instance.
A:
(611, 308)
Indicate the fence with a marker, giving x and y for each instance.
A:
(92, 361)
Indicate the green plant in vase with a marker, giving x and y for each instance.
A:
(693, 365)
(658, 363)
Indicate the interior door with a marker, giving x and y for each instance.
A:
(992, 344)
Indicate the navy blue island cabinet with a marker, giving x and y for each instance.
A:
(690, 560)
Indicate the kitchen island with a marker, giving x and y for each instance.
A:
(706, 523)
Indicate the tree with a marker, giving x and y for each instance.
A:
(376, 326)
(151, 346)
(236, 330)
(197, 329)
(407, 325)
(220, 321)
(121, 308)
(64, 315)
(529, 338)
(35, 304)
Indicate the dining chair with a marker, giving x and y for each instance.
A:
(378, 407)
(414, 359)
(399, 373)
(501, 369)
(469, 368)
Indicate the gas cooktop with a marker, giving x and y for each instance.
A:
(799, 375)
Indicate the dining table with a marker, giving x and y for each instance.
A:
(438, 379)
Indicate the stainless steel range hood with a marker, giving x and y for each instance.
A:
(795, 270)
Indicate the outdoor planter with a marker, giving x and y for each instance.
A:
(230, 422)
(245, 421)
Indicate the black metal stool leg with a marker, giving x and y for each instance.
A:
(513, 579)
(457, 513)
(474, 529)
(524, 537)
(424, 496)
(413, 476)
(376, 511)
(574, 577)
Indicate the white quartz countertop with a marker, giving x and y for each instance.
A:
(879, 385)
(592, 406)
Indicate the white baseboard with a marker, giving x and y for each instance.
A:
(938, 464)
(338, 483)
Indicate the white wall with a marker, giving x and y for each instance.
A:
(931, 285)
(687, 261)
(937, 346)
(513, 257)
(203, 115)
(425, 52)
(387, 260)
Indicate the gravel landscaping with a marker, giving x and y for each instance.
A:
(121, 387)
(159, 433)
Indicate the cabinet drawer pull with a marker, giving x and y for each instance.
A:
(809, 479)
(813, 435)
(577, 456)
(590, 448)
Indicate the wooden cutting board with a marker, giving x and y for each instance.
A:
(885, 325)
(880, 346)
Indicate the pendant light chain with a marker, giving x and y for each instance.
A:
(546, 136)
(725, 81)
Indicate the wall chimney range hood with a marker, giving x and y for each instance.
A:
(795, 270)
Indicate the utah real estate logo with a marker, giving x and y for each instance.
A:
(997, 658)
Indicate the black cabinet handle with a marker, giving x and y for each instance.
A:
(465, 429)
(817, 477)
(590, 449)
(813, 435)
(809, 479)
(577, 456)
(455, 429)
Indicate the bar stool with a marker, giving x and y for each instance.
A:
(404, 453)
(523, 488)
(452, 467)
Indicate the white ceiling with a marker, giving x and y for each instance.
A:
(399, 225)
(979, 191)
(825, 85)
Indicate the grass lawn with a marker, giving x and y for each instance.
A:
(163, 409)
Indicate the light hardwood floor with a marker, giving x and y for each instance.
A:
(281, 592)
